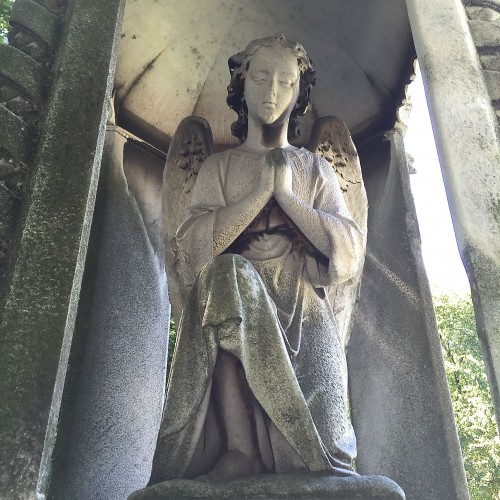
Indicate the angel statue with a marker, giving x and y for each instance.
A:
(264, 260)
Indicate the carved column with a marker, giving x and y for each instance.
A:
(25, 74)
(401, 406)
(461, 88)
(484, 24)
(56, 145)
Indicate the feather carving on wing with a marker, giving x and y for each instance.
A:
(191, 144)
(330, 139)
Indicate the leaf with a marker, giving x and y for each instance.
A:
(470, 394)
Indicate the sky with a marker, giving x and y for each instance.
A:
(441, 258)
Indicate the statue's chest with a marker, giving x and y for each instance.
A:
(242, 178)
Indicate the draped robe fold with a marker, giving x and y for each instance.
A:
(266, 306)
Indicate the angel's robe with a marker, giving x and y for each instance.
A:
(268, 307)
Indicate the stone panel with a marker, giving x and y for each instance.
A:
(38, 311)
(400, 402)
(462, 99)
(113, 403)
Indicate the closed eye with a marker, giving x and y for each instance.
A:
(259, 76)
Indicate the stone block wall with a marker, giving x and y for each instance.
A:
(26, 67)
(484, 24)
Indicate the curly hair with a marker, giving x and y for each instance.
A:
(238, 67)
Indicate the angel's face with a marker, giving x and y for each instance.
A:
(272, 85)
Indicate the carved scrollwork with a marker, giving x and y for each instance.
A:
(12, 180)
(25, 75)
(484, 23)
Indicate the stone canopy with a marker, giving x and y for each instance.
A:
(173, 55)
(84, 311)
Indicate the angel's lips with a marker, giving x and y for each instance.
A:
(269, 103)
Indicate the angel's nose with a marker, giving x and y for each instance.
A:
(273, 87)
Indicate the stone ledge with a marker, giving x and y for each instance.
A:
(271, 486)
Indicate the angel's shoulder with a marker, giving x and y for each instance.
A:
(319, 167)
(215, 163)
(217, 160)
(214, 159)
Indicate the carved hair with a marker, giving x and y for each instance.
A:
(238, 67)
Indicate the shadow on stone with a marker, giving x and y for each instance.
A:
(269, 486)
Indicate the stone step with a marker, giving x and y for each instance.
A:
(483, 14)
(492, 79)
(485, 34)
(273, 486)
(491, 62)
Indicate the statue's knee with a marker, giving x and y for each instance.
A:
(224, 267)
(231, 260)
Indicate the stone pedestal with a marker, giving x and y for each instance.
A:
(270, 486)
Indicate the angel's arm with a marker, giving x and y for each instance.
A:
(328, 224)
(213, 222)
(230, 221)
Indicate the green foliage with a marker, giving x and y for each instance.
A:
(470, 395)
(5, 10)
(171, 341)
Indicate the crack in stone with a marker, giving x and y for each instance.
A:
(139, 77)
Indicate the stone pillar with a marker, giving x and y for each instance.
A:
(113, 396)
(45, 271)
(468, 145)
(401, 405)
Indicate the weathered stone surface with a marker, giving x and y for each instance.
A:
(484, 24)
(39, 310)
(23, 71)
(467, 137)
(491, 62)
(173, 60)
(400, 403)
(492, 80)
(114, 404)
(485, 34)
(37, 19)
(271, 486)
(16, 136)
(23, 439)
(481, 13)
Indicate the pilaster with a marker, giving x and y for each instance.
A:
(46, 265)
(462, 95)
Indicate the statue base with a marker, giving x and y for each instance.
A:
(270, 486)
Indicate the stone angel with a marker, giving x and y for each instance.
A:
(264, 249)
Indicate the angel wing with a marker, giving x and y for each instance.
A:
(330, 138)
(191, 144)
